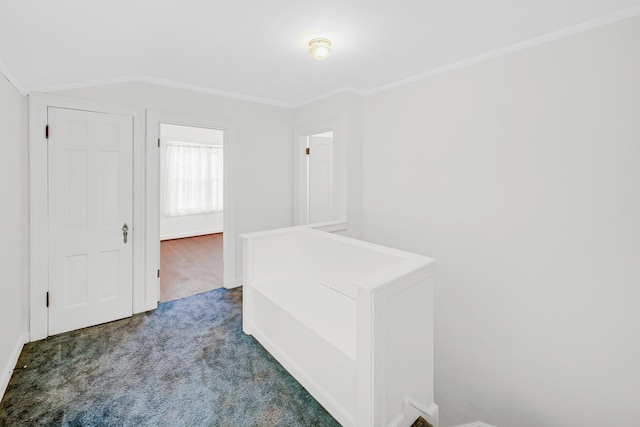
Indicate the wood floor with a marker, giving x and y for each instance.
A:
(190, 266)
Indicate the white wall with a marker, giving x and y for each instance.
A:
(521, 176)
(346, 110)
(13, 229)
(173, 227)
(264, 159)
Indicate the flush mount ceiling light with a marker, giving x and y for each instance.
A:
(319, 49)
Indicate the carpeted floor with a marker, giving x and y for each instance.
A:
(188, 363)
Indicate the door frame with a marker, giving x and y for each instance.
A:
(145, 294)
(339, 212)
(154, 118)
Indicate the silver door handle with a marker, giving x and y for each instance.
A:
(125, 231)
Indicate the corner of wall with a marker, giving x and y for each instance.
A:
(7, 371)
(25, 232)
(14, 257)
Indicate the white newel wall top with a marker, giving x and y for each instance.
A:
(336, 312)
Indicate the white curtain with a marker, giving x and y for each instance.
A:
(194, 179)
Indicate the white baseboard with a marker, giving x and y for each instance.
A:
(189, 234)
(475, 424)
(412, 410)
(7, 371)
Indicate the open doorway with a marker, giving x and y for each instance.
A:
(191, 210)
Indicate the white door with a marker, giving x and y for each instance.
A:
(90, 160)
(320, 169)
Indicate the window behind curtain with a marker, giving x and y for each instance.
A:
(194, 178)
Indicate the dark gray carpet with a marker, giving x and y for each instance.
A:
(188, 363)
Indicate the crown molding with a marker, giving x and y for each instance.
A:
(193, 88)
(566, 32)
(14, 82)
(329, 95)
(555, 35)
(162, 82)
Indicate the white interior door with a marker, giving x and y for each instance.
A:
(320, 169)
(90, 176)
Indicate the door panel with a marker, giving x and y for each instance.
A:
(320, 179)
(90, 199)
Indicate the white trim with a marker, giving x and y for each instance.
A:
(475, 424)
(190, 87)
(11, 79)
(412, 410)
(190, 234)
(565, 32)
(556, 35)
(163, 82)
(329, 226)
(329, 95)
(7, 371)
(300, 170)
(229, 238)
(144, 296)
(559, 34)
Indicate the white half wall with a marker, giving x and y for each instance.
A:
(263, 167)
(521, 176)
(14, 259)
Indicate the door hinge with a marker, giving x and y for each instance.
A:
(158, 142)
(47, 299)
(158, 273)
(46, 132)
(308, 151)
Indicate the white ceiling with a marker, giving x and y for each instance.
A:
(257, 48)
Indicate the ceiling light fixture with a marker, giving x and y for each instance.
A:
(319, 49)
